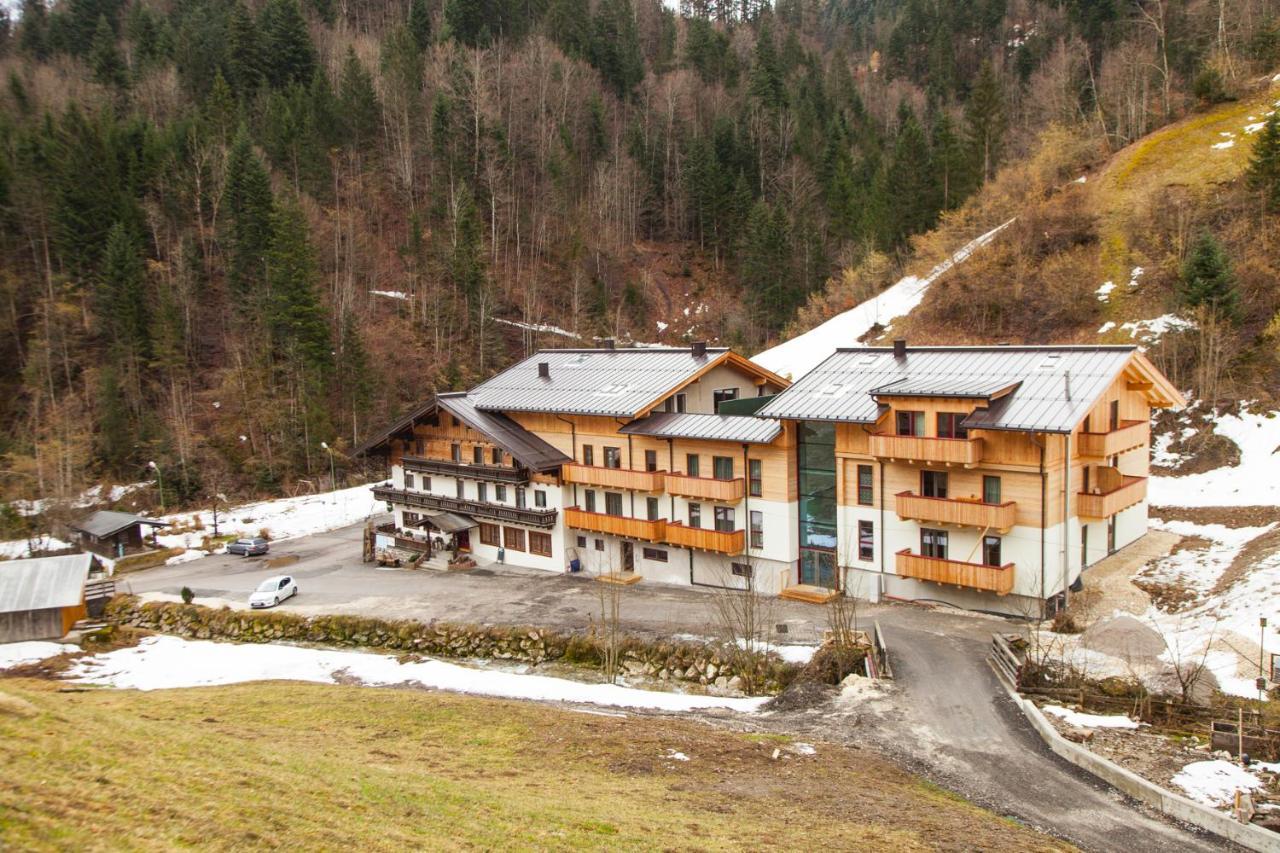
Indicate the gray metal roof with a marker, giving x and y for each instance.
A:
(614, 383)
(106, 522)
(740, 428)
(841, 388)
(43, 582)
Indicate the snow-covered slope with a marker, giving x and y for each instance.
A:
(798, 356)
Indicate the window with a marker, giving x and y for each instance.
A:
(411, 519)
(866, 488)
(651, 506)
(422, 447)
(755, 478)
(520, 498)
(612, 457)
(680, 402)
(588, 455)
(599, 543)
(933, 543)
(408, 480)
(582, 541)
(651, 460)
(461, 488)
(513, 538)
(933, 484)
(489, 534)
(613, 503)
(497, 456)
(477, 455)
(722, 467)
(757, 529)
(455, 452)
(724, 519)
(482, 492)
(991, 551)
(691, 464)
(910, 423)
(539, 498)
(949, 425)
(817, 498)
(1114, 413)
(991, 489)
(656, 554)
(723, 395)
(426, 484)
(500, 493)
(740, 570)
(695, 515)
(591, 500)
(866, 540)
(540, 543)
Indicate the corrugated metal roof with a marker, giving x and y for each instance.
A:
(105, 522)
(43, 582)
(840, 389)
(527, 448)
(741, 428)
(614, 383)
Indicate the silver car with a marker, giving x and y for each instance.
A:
(253, 547)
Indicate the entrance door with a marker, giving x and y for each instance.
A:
(818, 568)
(463, 540)
(1084, 547)
(628, 557)
(1111, 535)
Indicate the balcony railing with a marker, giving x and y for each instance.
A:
(706, 488)
(722, 542)
(496, 473)
(1131, 491)
(997, 579)
(970, 513)
(950, 451)
(617, 525)
(1127, 436)
(612, 478)
(500, 512)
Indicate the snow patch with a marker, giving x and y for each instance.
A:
(1104, 291)
(285, 518)
(1106, 327)
(539, 327)
(1214, 783)
(1090, 721)
(18, 549)
(391, 294)
(662, 327)
(1221, 145)
(185, 557)
(31, 651)
(1150, 331)
(1255, 127)
(1258, 437)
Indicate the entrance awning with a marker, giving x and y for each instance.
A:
(449, 522)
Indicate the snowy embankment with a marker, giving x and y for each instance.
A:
(798, 356)
(1214, 783)
(164, 662)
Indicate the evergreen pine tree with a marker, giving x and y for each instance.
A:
(357, 103)
(244, 63)
(1207, 279)
(33, 38)
(121, 295)
(115, 441)
(249, 204)
(987, 122)
(766, 72)
(104, 58)
(950, 161)
(1263, 173)
(355, 383)
(466, 22)
(295, 316)
(569, 23)
(615, 47)
(220, 107)
(911, 183)
(420, 23)
(765, 260)
(288, 55)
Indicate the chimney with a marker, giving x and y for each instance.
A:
(610, 343)
(699, 349)
(544, 370)
(900, 348)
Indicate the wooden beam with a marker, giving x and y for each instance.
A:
(1139, 386)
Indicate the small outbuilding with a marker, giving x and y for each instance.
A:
(42, 598)
(114, 534)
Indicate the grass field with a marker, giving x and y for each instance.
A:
(303, 766)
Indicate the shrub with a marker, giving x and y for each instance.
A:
(1209, 87)
(187, 595)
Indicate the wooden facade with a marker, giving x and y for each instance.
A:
(997, 579)
(617, 525)
(707, 488)
(959, 511)
(702, 539)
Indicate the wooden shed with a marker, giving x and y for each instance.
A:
(42, 598)
(114, 534)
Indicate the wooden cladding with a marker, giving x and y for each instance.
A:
(612, 478)
(704, 539)
(706, 488)
(496, 473)
(969, 513)
(502, 512)
(1129, 435)
(1130, 491)
(997, 579)
(630, 528)
(948, 451)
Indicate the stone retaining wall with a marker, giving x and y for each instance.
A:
(709, 665)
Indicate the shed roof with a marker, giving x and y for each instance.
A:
(42, 583)
(739, 428)
(106, 522)
(1049, 388)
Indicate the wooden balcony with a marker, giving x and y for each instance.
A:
(706, 488)
(706, 540)
(967, 513)
(495, 473)
(612, 478)
(499, 512)
(997, 579)
(1127, 436)
(1130, 491)
(617, 525)
(948, 451)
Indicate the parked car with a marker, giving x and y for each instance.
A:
(273, 590)
(249, 547)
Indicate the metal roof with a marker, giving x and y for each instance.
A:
(449, 522)
(740, 428)
(42, 583)
(841, 388)
(609, 382)
(106, 522)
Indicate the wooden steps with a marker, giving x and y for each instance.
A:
(808, 593)
(623, 579)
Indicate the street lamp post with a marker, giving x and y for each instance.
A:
(218, 496)
(333, 477)
(159, 482)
